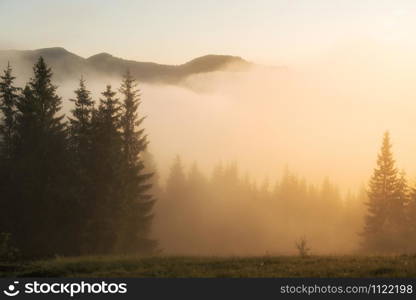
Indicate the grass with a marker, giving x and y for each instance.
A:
(267, 266)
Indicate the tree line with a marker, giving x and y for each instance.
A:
(73, 185)
(81, 185)
(226, 212)
(380, 218)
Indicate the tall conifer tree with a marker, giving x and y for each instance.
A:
(136, 217)
(8, 99)
(82, 156)
(106, 173)
(81, 119)
(386, 204)
(41, 165)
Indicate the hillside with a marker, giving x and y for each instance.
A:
(67, 65)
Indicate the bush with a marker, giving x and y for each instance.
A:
(302, 246)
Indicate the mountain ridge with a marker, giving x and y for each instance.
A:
(68, 65)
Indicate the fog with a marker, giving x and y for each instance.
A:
(323, 118)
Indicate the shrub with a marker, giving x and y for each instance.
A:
(302, 247)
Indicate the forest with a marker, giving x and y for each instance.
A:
(86, 184)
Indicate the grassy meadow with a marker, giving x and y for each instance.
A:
(182, 267)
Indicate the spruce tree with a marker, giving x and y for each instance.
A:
(136, 217)
(81, 156)
(8, 99)
(41, 167)
(386, 204)
(399, 227)
(106, 172)
(81, 119)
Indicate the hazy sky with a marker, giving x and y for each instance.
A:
(265, 31)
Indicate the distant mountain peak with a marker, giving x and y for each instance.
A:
(53, 51)
(215, 62)
(216, 58)
(102, 55)
(54, 54)
(67, 65)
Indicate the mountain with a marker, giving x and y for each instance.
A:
(67, 65)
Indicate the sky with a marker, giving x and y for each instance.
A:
(264, 31)
(351, 76)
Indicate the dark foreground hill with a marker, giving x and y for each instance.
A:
(67, 65)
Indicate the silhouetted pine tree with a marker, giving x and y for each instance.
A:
(41, 169)
(386, 204)
(81, 157)
(81, 121)
(136, 216)
(399, 224)
(8, 99)
(106, 173)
